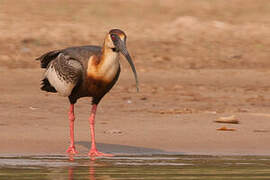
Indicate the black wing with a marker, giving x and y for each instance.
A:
(80, 53)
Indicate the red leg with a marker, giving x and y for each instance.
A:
(93, 151)
(71, 116)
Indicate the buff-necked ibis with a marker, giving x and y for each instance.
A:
(85, 71)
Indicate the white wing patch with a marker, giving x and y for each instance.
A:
(63, 87)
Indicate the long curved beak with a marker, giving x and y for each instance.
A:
(123, 50)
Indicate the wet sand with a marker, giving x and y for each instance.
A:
(34, 122)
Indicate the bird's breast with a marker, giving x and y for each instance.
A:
(101, 72)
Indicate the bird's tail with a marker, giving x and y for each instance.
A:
(45, 59)
(46, 86)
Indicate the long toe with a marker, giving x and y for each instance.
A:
(96, 153)
(72, 150)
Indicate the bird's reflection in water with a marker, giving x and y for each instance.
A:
(92, 169)
(70, 169)
(92, 163)
(70, 173)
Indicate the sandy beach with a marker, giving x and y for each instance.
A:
(195, 64)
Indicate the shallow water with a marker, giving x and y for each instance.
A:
(165, 167)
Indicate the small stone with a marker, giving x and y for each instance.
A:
(114, 131)
(224, 128)
(33, 108)
(144, 98)
(230, 119)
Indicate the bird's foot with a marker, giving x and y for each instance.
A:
(95, 153)
(71, 150)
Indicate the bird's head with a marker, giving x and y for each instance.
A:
(116, 40)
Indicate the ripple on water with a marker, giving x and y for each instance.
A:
(135, 167)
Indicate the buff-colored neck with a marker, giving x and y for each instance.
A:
(108, 64)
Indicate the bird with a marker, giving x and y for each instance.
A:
(85, 71)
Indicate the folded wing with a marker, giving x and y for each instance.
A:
(62, 74)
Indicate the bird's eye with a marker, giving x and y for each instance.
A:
(113, 37)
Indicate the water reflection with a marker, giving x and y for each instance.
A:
(71, 175)
(135, 167)
(91, 164)
(92, 171)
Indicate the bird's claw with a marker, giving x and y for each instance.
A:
(96, 153)
(71, 150)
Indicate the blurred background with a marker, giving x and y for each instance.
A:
(163, 34)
